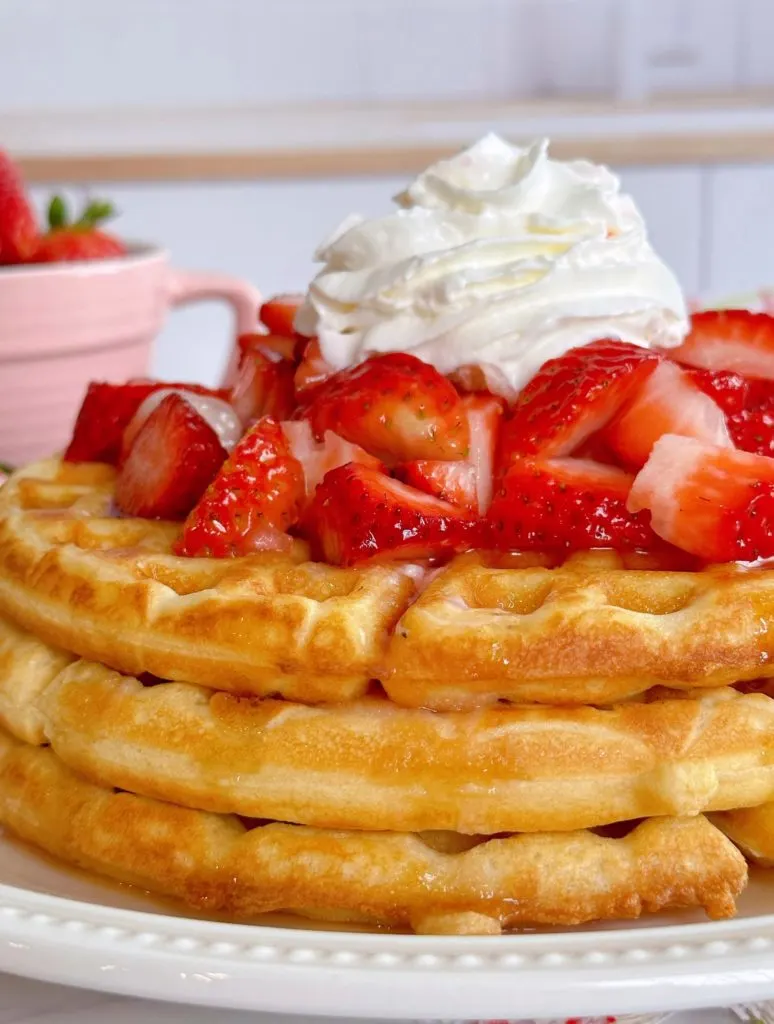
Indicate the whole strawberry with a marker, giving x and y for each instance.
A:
(18, 228)
(82, 239)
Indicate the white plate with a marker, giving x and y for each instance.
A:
(64, 926)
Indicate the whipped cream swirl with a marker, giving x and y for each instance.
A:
(498, 257)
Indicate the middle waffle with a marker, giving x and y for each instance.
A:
(369, 764)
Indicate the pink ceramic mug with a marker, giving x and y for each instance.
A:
(64, 324)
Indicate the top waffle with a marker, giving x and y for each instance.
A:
(593, 629)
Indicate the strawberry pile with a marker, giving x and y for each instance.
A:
(65, 240)
(608, 446)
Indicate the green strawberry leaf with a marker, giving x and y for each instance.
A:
(5, 468)
(96, 211)
(58, 214)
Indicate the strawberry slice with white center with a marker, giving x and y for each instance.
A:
(484, 414)
(279, 313)
(454, 482)
(730, 339)
(218, 413)
(173, 457)
(107, 410)
(667, 402)
(320, 457)
(311, 371)
(252, 502)
(466, 483)
(359, 514)
(717, 503)
(572, 397)
(264, 380)
(568, 505)
(396, 407)
(275, 347)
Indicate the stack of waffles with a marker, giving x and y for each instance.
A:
(506, 741)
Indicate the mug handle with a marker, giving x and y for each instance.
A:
(184, 286)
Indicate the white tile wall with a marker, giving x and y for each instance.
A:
(757, 43)
(572, 46)
(690, 45)
(267, 233)
(740, 253)
(171, 53)
(671, 202)
(454, 49)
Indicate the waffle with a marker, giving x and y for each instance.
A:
(108, 589)
(27, 668)
(431, 882)
(346, 805)
(371, 765)
(591, 630)
(587, 632)
(752, 830)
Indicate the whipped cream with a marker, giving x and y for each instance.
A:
(499, 257)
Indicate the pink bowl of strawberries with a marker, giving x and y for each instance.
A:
(78, 303)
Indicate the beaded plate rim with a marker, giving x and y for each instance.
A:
(288, 970)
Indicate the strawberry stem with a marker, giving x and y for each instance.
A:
(94, 213)
(58, 214)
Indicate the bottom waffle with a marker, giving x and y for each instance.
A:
(752, 830)
(431, 882)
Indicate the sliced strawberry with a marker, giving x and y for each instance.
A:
(565, 504)
(360, 514)
(18, 227)
(730, 339)
(454, 482)
(667, 402)
(752, 429)
(727, 388)
(263, 385)
(574, 396)
(484, 415)
(279, 313)
(472, 377)
(252, 502)
(396, 407)
(713, 502)
(173, 458)
(105, 413)
(274, 346)
(320, 457)
(597, 449)
(469, 378)
(749, 406)
(467, 483)
(218, 413)
(311, 371)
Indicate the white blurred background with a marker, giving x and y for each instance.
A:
(126, 99)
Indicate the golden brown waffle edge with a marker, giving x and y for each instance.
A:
(217, 865)
(371, 765)
(588, 631)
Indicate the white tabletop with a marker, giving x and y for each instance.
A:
(22, 1001)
